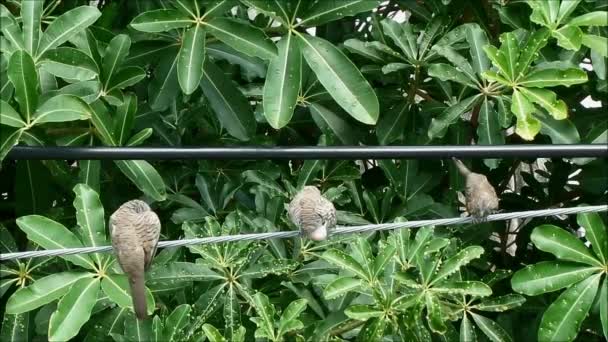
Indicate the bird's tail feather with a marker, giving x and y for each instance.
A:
(138, 292)
(461, 167)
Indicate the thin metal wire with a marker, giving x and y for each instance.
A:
(309, 152)
(337, 231)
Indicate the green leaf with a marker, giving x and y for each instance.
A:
(176, 322)
(116, 53)
(453, 264)
(164, 86)
(341, 286)
(548, 100)
(90, 218)
(326, 11)
(440, 124)
(53, 235)
(15, 327)
(510, 50)
(124, 118)
(182, 271)
(73, 310)
(191, 59)
(103, 122)
(23, 75)
(471, 288)
(363, 49)
(563, 318)
(69, 63)
(489, 130)
(560, 131)
(499, 60)
(403, 36)
(492, 329)
(330, 122)
(363, 312)
(562, 244)
(527, 125)
(549, 276)
(161, 20)
(288, 320)
(542, 78)
(597, 18)
(230, 106)
(139, 137)
(596, 43)
(31, 14)
(213, 335)
(43, 291)
(603, 299)
(144, 176)
(467, 330)
(529, 53)
(341, 78)
(136, 330)
(266, 312)
(282, 84)
(263, 179)
(345, 261)
(595, 232)
(66, 26)
(8, 139)
(477, 39)
(500, 304)
(373, 330)
(62, 108)
(243, 37)
(455, 58)
(434, 315)
(447, 72)
(568, 37)
(126, 77)
(90, 172)
(10, 117)
(391, 125)
(565, 9)
(116, 287)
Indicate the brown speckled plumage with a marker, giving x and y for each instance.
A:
(481, 198)
(135, 230)
(312, 213)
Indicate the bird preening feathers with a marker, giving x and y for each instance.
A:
(312, 213)
(135, 230)
(481, 198)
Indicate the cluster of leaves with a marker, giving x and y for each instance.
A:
(295, 72)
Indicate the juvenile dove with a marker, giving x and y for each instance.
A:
(135, 230)
(481, 199)
(312, 213)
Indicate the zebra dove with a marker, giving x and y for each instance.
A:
(481, 199)
(312, 213)
(135, 230)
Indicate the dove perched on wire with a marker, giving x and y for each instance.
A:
(481, 198)
(312, 213)
(135, 230)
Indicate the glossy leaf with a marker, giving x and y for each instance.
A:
(341, 78)
(191, 59)
(176, 322)
(363, 312)
(477, 39)
(10, 117)
(492, 329)
(66, 26)
(548, 100)
(527, 125)
(548, 276)
(282, 84)
(563, 318)
(62, 108)
(23, 75)
(500, 304)
(341, 286)
(242, 37)
(330, 122)
(73, 310)
(164, 87)
(31, 13)
(391, 125)
(161, 20)
(116, 53)
(123, 121)
(69, 63)
(562, 244)
(230, 106)
(325, 11)
(90, 218)
(595, 232)
(454, 263)
(144, 176)
(596, 18)
(116, 287)
(596, 43)
(126, 77)
(440, 124)
(43, 291)
(569, 37)
(553, 77)
(8, 139)
(560, 131)
(53, 235)
(345, 261)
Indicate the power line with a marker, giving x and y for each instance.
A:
(291, 234)
(309, 152)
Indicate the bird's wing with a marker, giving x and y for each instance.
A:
(150, 242)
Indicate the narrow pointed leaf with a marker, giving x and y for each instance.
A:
(467, 330)
(548, 100)
(548, 276)
(10, 117)
(440, 124)
(330, 122)
(325, 11)
(90, 218)
(62, 108)
(282, 84)
(341, 286)
(73, 310)
(477, 39)
(527, 125)
(164, 86)
(161, 20)
(568, 37)
(454, 263)
(596, 18)
(116, 52)
(341, 78)
(23, 75)
(66, 26)
(363, 312)
(542, 78)
(124, 118)
(562, 244)
(529, 53)
(595, 232)
(596, 43)
(493, 330)
(144, 176)
(471, 288)
(560, 131)
(391, 125)
(176, 322)
(8, 139)
(344, 261)
(243, 37)
(31, 14)
(191, 59)
(500, 304)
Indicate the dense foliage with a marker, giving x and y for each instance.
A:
(296, 72)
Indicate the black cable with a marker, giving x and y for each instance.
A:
(309, 152)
